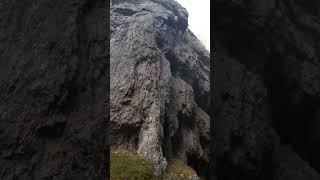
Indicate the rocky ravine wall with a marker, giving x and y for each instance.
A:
(159, 99)
(266, 89)
(53, 89)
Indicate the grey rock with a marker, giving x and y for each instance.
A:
(159, 83)
(291, 166)
(266, 89)
(53, 89)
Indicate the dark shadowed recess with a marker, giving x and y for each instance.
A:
(201, 98)
(54, 89)
(293, 122)
(293, 111)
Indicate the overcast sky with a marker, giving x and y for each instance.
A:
(199, 18)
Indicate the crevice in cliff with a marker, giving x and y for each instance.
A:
(175, 143)
(125, 12)
(51, 131)
(166, 145)
(179, 70)
(73, 88)
(68, 97)
(172, 138)
(199, 165)
(279, 99)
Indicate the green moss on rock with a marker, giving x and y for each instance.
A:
(178, 170)
(126, 165)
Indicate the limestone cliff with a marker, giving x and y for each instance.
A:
(159, 84)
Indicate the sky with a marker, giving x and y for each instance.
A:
(199, 18)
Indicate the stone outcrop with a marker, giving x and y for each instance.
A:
(159, 90)
(53, 89)
(266, 89)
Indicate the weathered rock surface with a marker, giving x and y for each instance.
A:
(266, 89)
(291, 166)
(53, 89)
(159, 84)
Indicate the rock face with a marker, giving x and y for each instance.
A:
(159, 89)
(266, 89)
(53, 88)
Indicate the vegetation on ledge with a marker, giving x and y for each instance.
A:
(125, 164)
(128, 165)
(178, 170)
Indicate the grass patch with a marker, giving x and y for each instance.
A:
(178, 170)
(127, 165)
